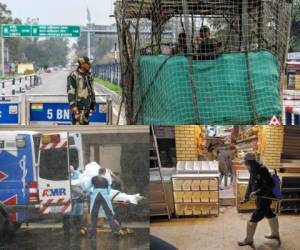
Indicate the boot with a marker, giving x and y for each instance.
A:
(92, 232)
(77, 225)
(251, 227)
(274, 226)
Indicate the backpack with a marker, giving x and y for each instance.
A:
(277, 186)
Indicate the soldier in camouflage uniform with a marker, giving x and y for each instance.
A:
(81, 94)
(208, 48)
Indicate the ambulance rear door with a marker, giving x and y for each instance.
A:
(53, 174)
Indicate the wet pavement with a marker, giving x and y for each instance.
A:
(53, 238)
(223, 232)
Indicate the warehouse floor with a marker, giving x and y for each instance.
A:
(223, 232)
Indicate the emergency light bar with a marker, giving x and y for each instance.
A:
(46, 139)
(20, 141)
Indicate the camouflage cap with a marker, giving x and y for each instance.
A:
(85, 59)
(250, 157)
(204, 29)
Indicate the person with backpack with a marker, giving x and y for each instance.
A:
(260, 188)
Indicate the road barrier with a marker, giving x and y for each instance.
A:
(20, 84)
(55, 110)
(108, 72)
(292, 115)
(26, 109)
(10, 110)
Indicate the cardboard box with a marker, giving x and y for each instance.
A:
(197, 210)
(179, 209)
(178, 196)
(213, 185)
(214, 210)
(177, 184)
(205, 210)
(196, 185)
(196, 197)
(204, 185)
(186, 185)
(213, 196)
(187, 197)
(204, 196)
(189, 210)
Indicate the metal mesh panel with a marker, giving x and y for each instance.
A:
(204, 32)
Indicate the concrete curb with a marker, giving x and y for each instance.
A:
(115, 97)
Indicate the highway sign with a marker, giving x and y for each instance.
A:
(59, 113)
(55, 31)
(18, 30)
(12, 30)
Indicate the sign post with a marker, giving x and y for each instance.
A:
(2, 57)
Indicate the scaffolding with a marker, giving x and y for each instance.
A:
(205, 49)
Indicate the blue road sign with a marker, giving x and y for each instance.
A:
(60, 113)
(9, 113)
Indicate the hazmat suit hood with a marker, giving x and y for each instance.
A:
(91, 170)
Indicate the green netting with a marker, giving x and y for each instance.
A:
(235, 88)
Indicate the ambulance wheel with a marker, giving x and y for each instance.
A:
(16, 226)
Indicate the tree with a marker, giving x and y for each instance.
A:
(14, 45)
(48, 52)
(295, 28)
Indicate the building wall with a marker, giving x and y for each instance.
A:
(270, 145)
(185, 137)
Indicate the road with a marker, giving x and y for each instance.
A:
(40, 237)
(55, 83)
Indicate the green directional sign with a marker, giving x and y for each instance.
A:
(11, 30)
(55, 31)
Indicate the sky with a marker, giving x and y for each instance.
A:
(62, 12)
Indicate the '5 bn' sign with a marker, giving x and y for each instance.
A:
(60, 113)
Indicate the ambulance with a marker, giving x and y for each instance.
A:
(34, 175)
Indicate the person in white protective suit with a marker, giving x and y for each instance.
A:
(92, 169)
(85, 181)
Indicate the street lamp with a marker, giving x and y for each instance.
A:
(89, 19)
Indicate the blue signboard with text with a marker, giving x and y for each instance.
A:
(9, 113)
(60, 113)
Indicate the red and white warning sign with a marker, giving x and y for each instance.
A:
(54, 145)
(59, 205)
(274, 121)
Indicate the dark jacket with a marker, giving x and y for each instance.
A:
(260, 181)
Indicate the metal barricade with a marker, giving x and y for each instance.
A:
(292, 115)
(10, 110)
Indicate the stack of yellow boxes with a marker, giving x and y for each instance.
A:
(196, 196)
(270, 145)
(187, 140)
(297, 82)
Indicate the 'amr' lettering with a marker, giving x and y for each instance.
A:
(54, 192)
